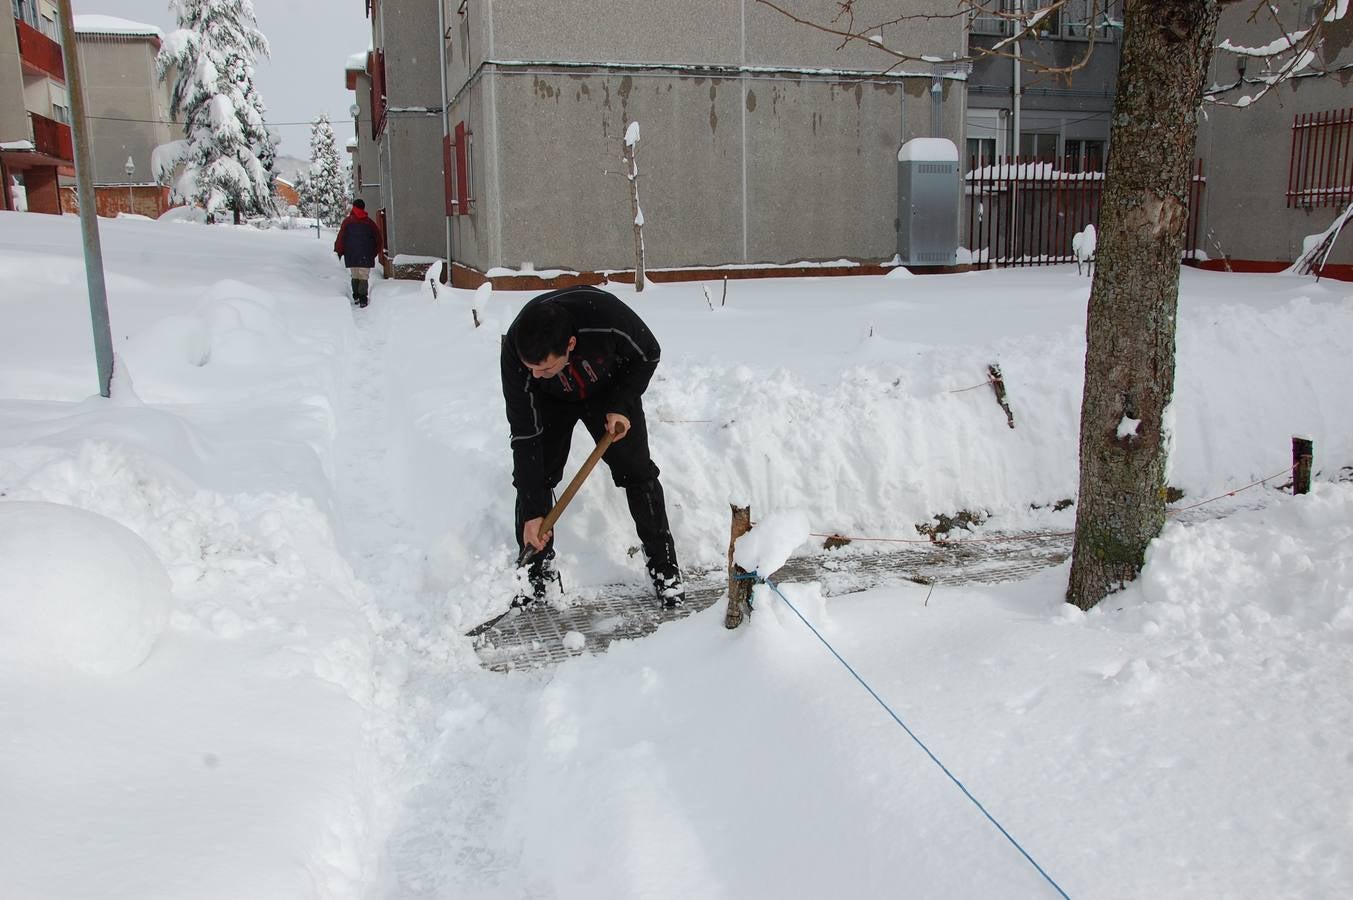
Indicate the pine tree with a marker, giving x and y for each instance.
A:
(228, 154)
(327, 183)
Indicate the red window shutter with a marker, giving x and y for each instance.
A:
(462, 170)
(448, 175)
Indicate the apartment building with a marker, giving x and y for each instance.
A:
(363, 150)
(35, 135)
(401, 111)
(1018, 107)
(762, 142)
(128, 108)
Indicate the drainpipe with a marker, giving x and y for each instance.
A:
(1016, 91)
(936, 104)
(446, 120)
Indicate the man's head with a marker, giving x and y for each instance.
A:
(545, 339)
(359, 203)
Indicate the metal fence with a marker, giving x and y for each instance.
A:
(1020, 211)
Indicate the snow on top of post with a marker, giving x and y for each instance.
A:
(93, 24)
(632, 134)
(928, 150)
(356, 62)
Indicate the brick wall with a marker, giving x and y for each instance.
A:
(146, 200)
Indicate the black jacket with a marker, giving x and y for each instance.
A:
(609, 368)
(359, 241)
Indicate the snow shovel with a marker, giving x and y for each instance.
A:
(547, 524)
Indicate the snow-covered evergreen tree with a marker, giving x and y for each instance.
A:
(228, 152)
(328, 183)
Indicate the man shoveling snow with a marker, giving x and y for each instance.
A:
(580, 354)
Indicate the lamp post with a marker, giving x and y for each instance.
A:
(130, 169)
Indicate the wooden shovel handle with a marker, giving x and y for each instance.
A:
(565, 498)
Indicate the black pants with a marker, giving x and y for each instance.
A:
(632, 469)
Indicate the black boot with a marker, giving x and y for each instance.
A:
(649, 509)
(356, 289)
(361, 293)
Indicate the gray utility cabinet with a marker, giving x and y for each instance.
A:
(927, 202)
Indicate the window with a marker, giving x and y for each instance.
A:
(1320, 172)
(981, 153)
(26, 11)
(1038, 146)
(376, 66)
(985, 20)
(1081, 155)
(60, 113)
(458, 170)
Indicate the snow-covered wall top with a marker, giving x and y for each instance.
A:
(91, 24)
(356, 62)
(928, 150)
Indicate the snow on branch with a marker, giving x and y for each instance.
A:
(1290, 55)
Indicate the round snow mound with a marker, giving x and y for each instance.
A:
(77, 587)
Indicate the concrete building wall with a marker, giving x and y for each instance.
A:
(13, 115)
(706, 32)
(128, 105)
(1247, 152)
(747, 155)
(411, 148)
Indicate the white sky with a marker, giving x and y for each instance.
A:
(311, 42)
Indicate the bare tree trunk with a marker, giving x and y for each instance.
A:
(1130, 330)
(632, 173)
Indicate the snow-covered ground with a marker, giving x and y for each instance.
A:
(231, 597)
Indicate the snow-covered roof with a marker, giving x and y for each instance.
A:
(93, 24)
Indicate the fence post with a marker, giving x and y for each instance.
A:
(1302, 451)
(739, 589)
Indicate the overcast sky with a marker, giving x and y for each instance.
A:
(311, 41)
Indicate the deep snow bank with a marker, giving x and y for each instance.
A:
(863, 402)
(233, 761)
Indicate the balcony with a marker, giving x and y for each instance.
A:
(37, 51)
(52, 138)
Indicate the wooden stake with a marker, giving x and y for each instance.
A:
(739, 589)
(998, 386)
(1302, 451)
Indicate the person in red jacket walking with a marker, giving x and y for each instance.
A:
(359, 244)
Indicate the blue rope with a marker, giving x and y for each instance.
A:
(910, 733)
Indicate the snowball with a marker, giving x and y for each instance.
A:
(77, 587)
(574, 641)
(768, 546)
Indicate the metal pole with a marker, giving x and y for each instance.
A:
(89, 226)
(446, 121)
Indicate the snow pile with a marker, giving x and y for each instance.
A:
(233, 760)
(771, 542)
(1083, 245)
(1254, 580)
(77, 587)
